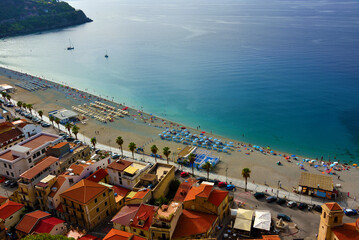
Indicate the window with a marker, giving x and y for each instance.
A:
(7, 173)
(12, 174)
(335, 219)
(30, 161)
(5, 165)
(10, 167)
(104, 194)
(97, 209)
(95, 200)
(325, 214)
(105, 203)
(107, 214)
(71, 181)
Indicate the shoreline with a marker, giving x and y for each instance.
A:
(142, 131)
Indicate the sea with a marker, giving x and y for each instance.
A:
(278, 73)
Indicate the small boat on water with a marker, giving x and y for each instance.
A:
(106, 55)
(71, 47)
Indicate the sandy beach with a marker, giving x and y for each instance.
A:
(143, 129)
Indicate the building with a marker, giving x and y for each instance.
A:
(10, 213)
(3, 200)
(316, 185)
(331, 225)
(88, 203)
(142, 221)
(115, 234)
(7, 88)
(39, 222)
(142, 196)
(100, 175)
(165, 221)
(122, 220)
(195, 225)
(10, 135)
(126, 173)
(183, 189)
(28, 129)
(64, 115)
(30, 178)
(157, 179)
(23, 156)
(5, 115)
(120, 196)
(42, 191)
(205, 198)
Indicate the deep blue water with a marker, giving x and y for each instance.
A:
(279, 73)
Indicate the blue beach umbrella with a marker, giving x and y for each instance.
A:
(293, 155)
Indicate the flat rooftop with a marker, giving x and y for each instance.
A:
(39, 140)
(8, 155)
(38, 168)
(167, 212)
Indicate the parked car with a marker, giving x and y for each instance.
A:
(302, 206)
(271, 199)
(230, 187)
(284, 217)
(350, 212)
(79, 142)
(222, 184)
(62, 134)
(44, 124)
(115, 156)
(201, 179)
(2, 179)
(317, 208)
(13, 184)
(7, 182)
(18, 110)
(281, 201)
(9, 105)
(215, 181)
(259, 195)
(184, 174)
(70, 139)
(97, 151)
(292, 204)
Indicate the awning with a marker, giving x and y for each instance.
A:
(131, 194)
(131, 170)
(262, 220)
(243, 220)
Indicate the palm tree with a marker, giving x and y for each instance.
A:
(182, 162)
(19, 104)
(3, 94)
(29, 106)
(132, 147)
(57, 121)
(40, 112)
(246, 174)
(8, 97)
(208, 167)
(75, 130)
(24, 105)
(119, 141)
(166, 152)
(51, 118)
(154, 150)
(68, 125)
(93, 142)
(191, 159)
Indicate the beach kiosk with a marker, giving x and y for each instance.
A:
(316, 185)
(64, 115)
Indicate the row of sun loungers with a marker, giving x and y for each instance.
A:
(111, 107)
(33, 85)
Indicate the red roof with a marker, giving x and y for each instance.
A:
(217, 197)
(38, 141)
(88, 237)
(124, 216)
(144, 216)
(214, 196)
(39, 167)
(192, 223)
(98, 175)
(141, 194)
(206, 191)
(9, 134)
(2, 199)
(29, 221)
(121, 191)
(60, 145)
(115, 234)
(333, 206)
(46, 225)
(9, 208)
(119, 165)
(347, 231)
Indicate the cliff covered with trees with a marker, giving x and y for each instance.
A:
(19, 17)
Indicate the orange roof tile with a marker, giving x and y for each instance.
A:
(214, 196)
(206, 191)
(28, 222)
(192, 223)
(182, 191)
(60, 145)
(9, 208)
(192, 193)
(38, 168)
(217, 197)
(39, 141)
(120, 192)
(59, 181)
(98, 175)
(8, 155)
(347, 231)
(119, 165)
(88, 237)
(78, 168)
(144, 217)
(333, 206)
(141, 194)
(115, 234)
(84, 191)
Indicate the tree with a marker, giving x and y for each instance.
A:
(75, 130)
(166, 152)
(154, 150)
(3, 94)
(208, 167)
(19, 104)
(24, 105)
(40, 112)
(68, 126)
(8, 97)
(29, 106)
(46, 236)
(182, 162)
(246, 173)
(191, 159)
(57, 121)
(132, 147)
(93, 142)
(51, 118)
(119, 141)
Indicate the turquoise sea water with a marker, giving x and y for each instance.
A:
(279, 73)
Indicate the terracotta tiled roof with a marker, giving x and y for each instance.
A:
(141, 194)
(126, 213)
(217, 197)
(45, 163)
(21, 125)
(60, 145)
(39, 141)
(192, 193)
(2, 199)
(115, 234)
(333, 206)
(78, 168)
(46, 225)
(88, 237)
(10, 134)
(192, 223)
(8, 155)
(119, 165)
(206, 191)
(120, 192)
(28, 222)
(59, 181)
(84, 191)
(144, 216)
(9, 208)
(347, 231)
(98, 175)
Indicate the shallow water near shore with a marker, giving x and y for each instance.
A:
(283, 74)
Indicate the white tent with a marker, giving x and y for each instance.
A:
(262, 220)
(244, 220)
